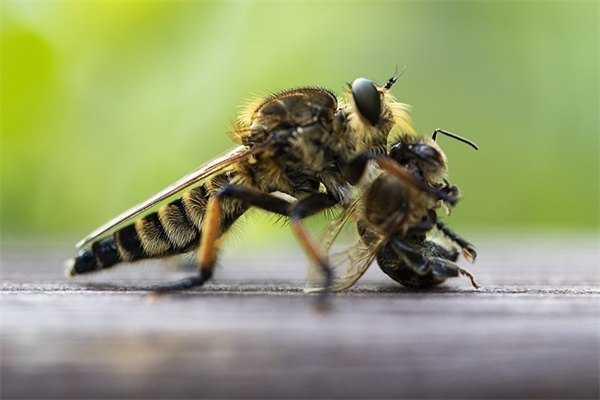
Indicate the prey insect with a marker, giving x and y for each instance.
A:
(300, 142)
(395, 220)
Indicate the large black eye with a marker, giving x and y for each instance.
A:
(426, 152)
(367, 99)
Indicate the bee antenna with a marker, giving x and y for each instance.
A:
(394, 78)
(454, 136)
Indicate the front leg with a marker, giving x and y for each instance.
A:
(355, 169)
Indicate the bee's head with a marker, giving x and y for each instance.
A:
(419, 151)
(423, 150)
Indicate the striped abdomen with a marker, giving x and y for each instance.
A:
(175, 228)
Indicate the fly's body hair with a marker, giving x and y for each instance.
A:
(174, 228)
(296, 142)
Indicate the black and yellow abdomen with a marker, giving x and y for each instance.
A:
(174, 228)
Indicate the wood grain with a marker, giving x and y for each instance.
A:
(531, 331)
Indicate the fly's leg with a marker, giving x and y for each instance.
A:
(213, 225)
(354, 170)
(401, 173)
(310, 205)
(184, 284)
(307, 206)
(303, 208)
(249, 197)
(468, 250)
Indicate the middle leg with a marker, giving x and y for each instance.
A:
(297, 211)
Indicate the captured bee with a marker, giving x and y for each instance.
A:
(300, 142)
(394, 220)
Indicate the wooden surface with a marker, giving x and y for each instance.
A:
(531, 331)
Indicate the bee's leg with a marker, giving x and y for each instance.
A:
(415, 260)
(450, 188)
(467, 248)
(424, 225)
(449, 269)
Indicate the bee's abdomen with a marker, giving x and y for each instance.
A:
(175, 228)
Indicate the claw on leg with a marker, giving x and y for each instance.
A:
(470, 276)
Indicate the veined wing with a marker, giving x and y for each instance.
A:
(347, 266)
(326, 239)
(202, 172)
(331, 232)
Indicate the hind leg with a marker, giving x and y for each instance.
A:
(449, 269)
(212, 226)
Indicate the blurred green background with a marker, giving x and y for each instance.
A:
(105, 103)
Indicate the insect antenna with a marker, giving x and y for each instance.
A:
(394, 78)
(454, 136)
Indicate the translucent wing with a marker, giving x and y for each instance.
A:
(326, 240)
(348, 265)
(202, 172)
(356, 261)
(333, 229)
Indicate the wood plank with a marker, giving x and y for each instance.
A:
(531, 331)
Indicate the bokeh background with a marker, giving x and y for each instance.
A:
(105, 103)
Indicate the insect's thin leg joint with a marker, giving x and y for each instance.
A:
(185, 284)
(210, 231)
(355, 168)
(467, 248)
(306, 207)
(415, 259)
(448, 269)
(395, 169)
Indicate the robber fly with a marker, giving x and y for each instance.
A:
(300, 142)
(394, 220)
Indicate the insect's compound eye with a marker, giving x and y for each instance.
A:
(426, 152)
(367, 99)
